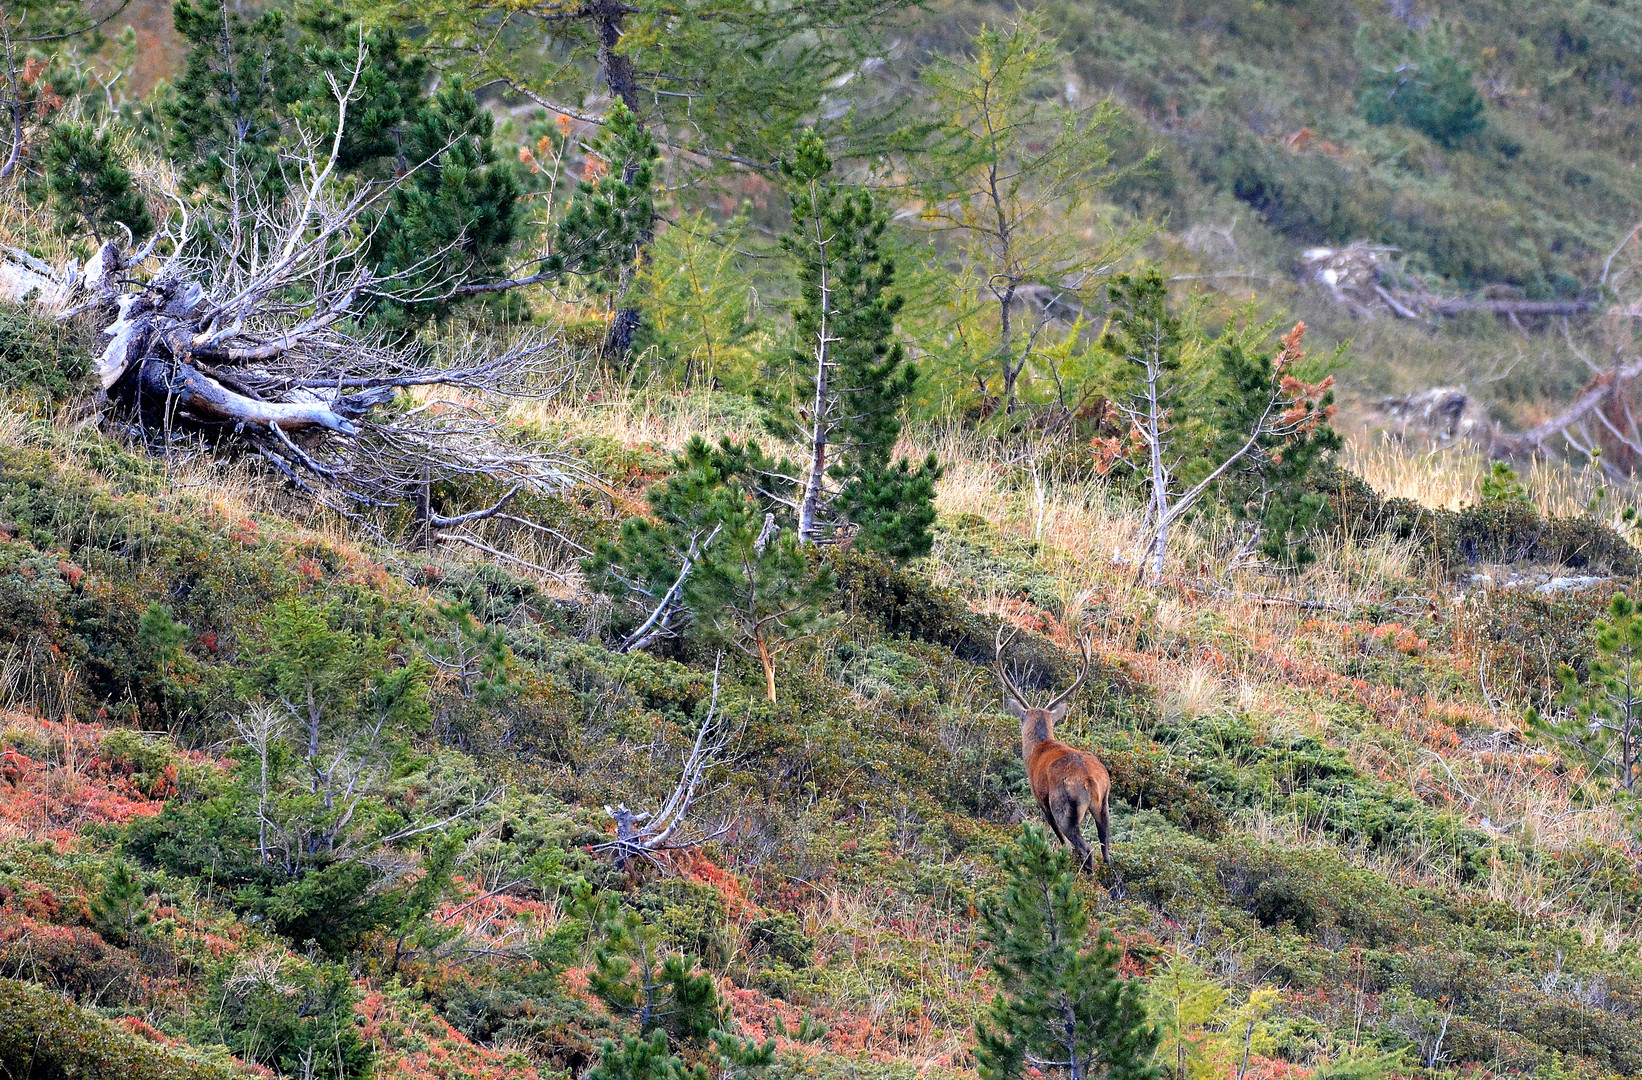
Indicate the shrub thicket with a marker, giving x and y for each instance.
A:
(1423, 83)
(44, 1037)
(38, 355)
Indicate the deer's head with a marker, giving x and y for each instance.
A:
(1037, 721)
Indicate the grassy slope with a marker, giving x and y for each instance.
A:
(1328, 802)
(1338, 802)
(1532, 205)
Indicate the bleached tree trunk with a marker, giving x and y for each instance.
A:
(1156, 427)
(251, 337)
(809, 507)
(1284, 414)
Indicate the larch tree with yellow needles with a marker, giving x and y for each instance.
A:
(1014, 158)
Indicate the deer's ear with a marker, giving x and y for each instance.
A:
(1013, 707)
(1059, 711)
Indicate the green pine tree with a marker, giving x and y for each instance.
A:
(227, 110)
(602, 234)
(120, 910)
(87, 187)
(1184, 1002)
(657, 990)
(653, 558)
(847, 378)
(642, 1057)
(1602, 724)
(387, 97)
(455, 217)
(251, 88)
(1421, 83)
(1501, 485)
(46, 48)
(715, 560)
(1277, 486)
(1060, 1003)
(893, 508)
(669, 1003)
(474, 652)
(729, 84)
(758, 592)
(1005, 166)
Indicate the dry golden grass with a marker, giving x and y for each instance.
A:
(1451, 478)
(1196, 691)
(646, 417)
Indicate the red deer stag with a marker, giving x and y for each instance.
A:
(1067, 783)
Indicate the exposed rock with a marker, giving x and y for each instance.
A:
(1439, 415)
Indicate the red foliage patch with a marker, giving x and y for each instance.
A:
(72, 960)
(43, 800)
(414, 1044)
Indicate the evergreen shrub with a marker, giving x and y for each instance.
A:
(38, 355)
(45, 1037)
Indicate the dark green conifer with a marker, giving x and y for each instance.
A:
(1600, 724)
(846, 378)
(601, 236)
(668, 1002)
(716, 560)
(1277, 485)
(1061, 1002)
(1422, 83)
(120, 910)
(658, 991)
(456, 214)
(228, 107)
(388, 94)
(87, 187)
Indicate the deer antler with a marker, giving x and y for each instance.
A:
(1006, 634)
(1083, 673)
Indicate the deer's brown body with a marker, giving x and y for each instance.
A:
(1068, 784)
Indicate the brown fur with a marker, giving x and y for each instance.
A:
(1067, 783)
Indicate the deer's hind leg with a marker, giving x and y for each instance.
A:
(1049, 816)
(1069, 827)
(1103, 826)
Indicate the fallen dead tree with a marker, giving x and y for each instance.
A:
(250, 324)
(1360, 278)
(641, 834)
(1600, 423)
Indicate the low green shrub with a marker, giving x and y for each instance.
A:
(1150, 778)
(1423, 83)
(1519, 639)
(40, 356)
(690, 917)
(1493, 531)
(1312, 891)
(781, 937)
(44, 1037)
(288, 1014)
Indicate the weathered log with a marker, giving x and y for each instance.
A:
(1445, 306)
(208, 400)
(1542, 437)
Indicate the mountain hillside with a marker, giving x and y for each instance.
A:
(551, 541)
(1332, 798)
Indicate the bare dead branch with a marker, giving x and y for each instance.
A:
(641, 834)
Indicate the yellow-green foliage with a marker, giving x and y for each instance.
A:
(46, 1037)
(39, 356)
